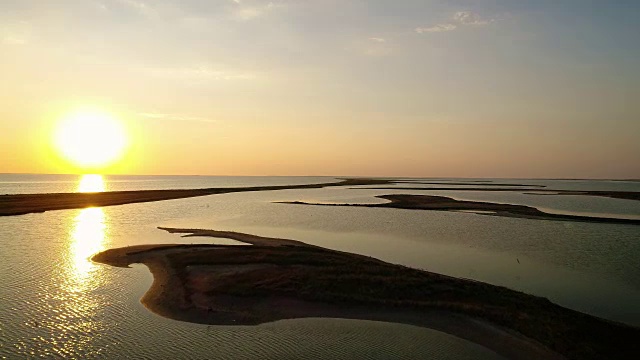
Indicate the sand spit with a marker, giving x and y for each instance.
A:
(443, 203)
(625, 195)
(281, 279)
(466, 183)
(242, 237)
(36, 203)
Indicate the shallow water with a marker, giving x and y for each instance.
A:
(53, 300)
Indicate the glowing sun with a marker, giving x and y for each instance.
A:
(90, 138)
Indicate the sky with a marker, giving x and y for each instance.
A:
(477, 88)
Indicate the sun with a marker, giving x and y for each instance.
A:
(90, 138)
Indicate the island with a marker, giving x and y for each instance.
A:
(525, 189)
(273, 279)
(443, 203)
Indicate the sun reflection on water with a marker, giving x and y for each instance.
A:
(87, 238)
(77, 322)
(88, 235)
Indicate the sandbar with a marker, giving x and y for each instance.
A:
(21, 204)
(277, 279)
(465, 183)
(443, 203)
(624, 195)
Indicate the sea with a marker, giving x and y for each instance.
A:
(56, 303)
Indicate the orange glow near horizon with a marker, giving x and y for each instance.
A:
(90, 139)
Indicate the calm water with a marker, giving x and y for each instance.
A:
(54, 301)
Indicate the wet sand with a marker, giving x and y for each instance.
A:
(36, 203)
(443, 203)
(282, 279)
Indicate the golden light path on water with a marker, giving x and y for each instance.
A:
(75, 318)
(88, 234)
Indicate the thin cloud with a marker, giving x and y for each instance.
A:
(469, 18)
(175, 117)
(141, 7)
(198, 73)
(15, 33)
(374, 46)
(458, 20)
(13, 40)
(250, 12)
(436, 29)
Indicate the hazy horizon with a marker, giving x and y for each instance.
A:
(464, 89)
(329, 176)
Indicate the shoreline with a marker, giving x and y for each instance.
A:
(21, 204)
(276, 279)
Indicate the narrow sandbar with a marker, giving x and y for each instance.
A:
(624, 195)
(36, 203)
(465, 183)
(443, 203)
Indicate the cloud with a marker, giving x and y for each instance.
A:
(15, 33)
(436, 28)
(175, 117)
(139, 6)
(13, 40)
(458, 20)
(198, 73)
(374, 46)
(250, 12)
(469, 18)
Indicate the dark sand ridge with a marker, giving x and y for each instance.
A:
(443, 203)
(281, 279)
(626, 195)
(470, 183)
(35, 203)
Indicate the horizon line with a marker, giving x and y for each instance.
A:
(336, 176)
